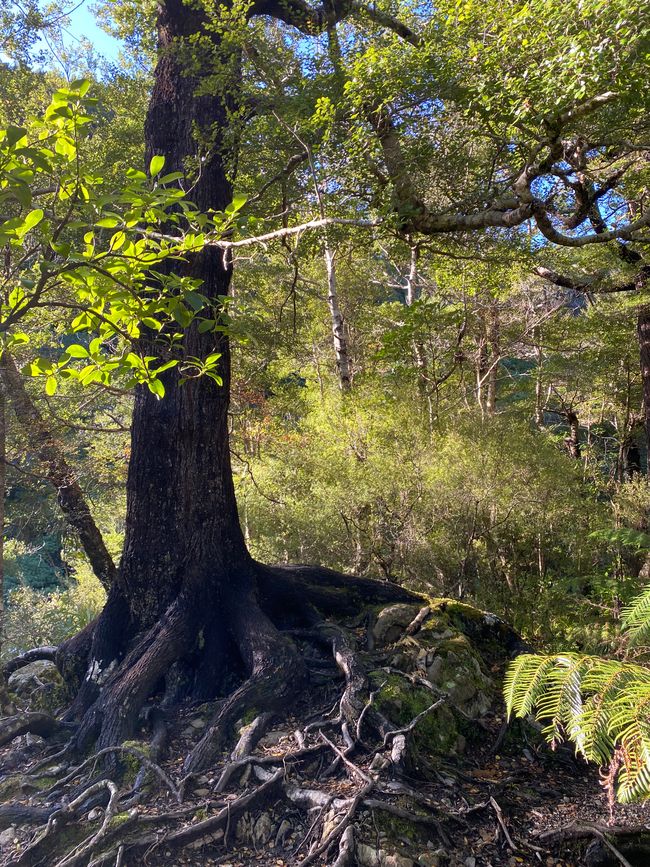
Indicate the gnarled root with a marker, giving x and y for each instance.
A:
(276, 674)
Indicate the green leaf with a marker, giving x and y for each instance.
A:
(13, 134)
(107, 223)
(238, 202)
(32, 219)
(75, 350)
(50, 385)
(156, 387)
(171, 177)
(156, 165)
(81, 86)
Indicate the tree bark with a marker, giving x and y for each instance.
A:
(643, 334)
(183, 610)
(572, 441)
(338, 325)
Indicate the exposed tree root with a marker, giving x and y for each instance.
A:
(284, 644)
(35, 655)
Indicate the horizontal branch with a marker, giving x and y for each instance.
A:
(590, 284)
(548, 230)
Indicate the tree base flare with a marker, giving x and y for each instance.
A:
(362, 710)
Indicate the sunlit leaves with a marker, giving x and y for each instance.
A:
(100, 255)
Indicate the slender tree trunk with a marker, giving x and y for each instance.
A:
(482, 364)
(539, 384)
(573, 440)
(61, 476)
(419, 351)
(343, 364)
(493, 335)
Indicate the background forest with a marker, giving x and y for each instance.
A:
(362, 287)
(438, 412)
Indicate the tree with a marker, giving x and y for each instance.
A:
(189, 604)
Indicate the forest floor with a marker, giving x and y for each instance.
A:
(498, 797)
(519, 805)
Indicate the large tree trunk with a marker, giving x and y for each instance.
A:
(643, 332)
(185, 570)
(190, 612)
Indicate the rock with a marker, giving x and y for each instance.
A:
(263, 830)
(455, 650)
(392, 622)
(198, 723)
(283, 832)
(7, 837)
(95, 814)
(370, 856)
(202, 793)
(433, 859)
(274, 737)
(470, 862)
(40, 677)
(43, 669)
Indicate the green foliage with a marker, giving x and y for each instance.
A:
(599, 705)
(99, 254)
(33, 618)
(636, 619)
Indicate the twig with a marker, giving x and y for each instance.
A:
(342, 825)
(129, 751)
(409, 728)
(499, 814)
(355, 770)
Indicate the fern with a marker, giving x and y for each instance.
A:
(624, 536)
(601, 706)
(636, 619)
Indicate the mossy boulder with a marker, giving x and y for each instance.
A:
(400, 701)
(456, 652)
(39, 683)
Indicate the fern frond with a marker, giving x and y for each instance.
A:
(625, 536)
(636, 619)
(602, 706)
(525, 682)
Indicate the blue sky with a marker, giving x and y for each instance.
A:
(83, 25)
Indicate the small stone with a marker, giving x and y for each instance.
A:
(7, 837)
(198, 723)
(202, 793)
(470, 862)
(392, 622)
(433, 859)
(283, 832)
(263, 830)
(272, 738)
(95, 814)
